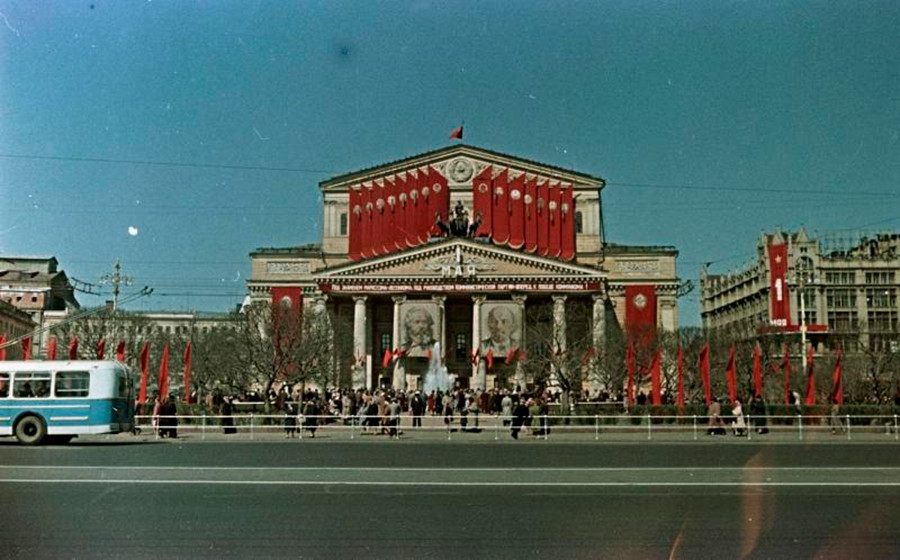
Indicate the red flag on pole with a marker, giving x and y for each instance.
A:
(187, 373)
(164, 372)
(680, 359)
(629, 363)
(810, 377)
(26, 348)
(588, 355)
(837, 391)
(73, 348)
(511, 356)
(457, 133)
(757, 371)
(655, 385)
(386, 359)
(120, 352)
(51, 348)
(3, 349)
(490, 358)
(786, 366)
(145, 359)
(704, 373)
(731, 375)
(101, 349)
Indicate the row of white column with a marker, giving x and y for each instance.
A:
(362, 371)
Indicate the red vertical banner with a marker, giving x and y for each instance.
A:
(101, 349)
(655, 379)
(810, 377)
(555, 228)
(73, 348)
(567, 223)
(482, 187)
(164, 372)
(378, 205)
(703, 364)
(120, 352)
(778, 288)
(640, 314)
(786, 366)
(517, 212)
(2, 348)
(501, 208)
(145, 373)
(412, 208)
(354, 224)
(680, 359)
(186, 376)
(402, 195)
(543, 218)
(630, 366)
(365, 246)
(837, 384)
(440, 192)
(390, 215)
(26, 348)
(731, 376)
(426, 218)
(51, 348)
(531, 222)
(757, 371)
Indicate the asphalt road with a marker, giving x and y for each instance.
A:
(131, 498)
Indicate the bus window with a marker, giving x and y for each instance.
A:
(4, 385)
(31, 385)
(73, 384)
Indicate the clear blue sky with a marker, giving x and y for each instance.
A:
(761, 96)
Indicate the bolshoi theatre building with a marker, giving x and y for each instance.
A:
(453, 256)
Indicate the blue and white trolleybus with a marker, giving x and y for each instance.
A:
(53, 401)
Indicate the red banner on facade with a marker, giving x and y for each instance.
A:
(412, 208)
(354, 225)
(367, 209)
(554, 238)
(778, 288)
(423, 215)
(567, 223)
(379, 218)
(543, 218)
(400, 213)
(481, 201)
(500, 232)
(531, 217)
(640, 313)
(517, 212)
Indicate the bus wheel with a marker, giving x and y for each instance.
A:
(30, 430)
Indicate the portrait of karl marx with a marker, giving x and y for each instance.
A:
(418, 332)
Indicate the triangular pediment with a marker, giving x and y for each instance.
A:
(459, 164)
(461, 260)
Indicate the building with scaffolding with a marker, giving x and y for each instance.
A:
(841, 289)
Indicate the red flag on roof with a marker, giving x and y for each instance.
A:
(457, 133)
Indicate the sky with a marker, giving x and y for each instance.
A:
(179, 136)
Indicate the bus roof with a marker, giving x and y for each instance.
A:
(58, 365)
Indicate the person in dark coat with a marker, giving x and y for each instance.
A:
(417, 404)
(226, 411)
(311, 417)
(168, 422)
(520, 416)
(758, 414)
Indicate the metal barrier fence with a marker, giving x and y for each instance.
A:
(599, 427)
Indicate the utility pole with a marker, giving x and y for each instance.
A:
(117, 280)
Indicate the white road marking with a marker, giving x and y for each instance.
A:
(414, 483)
(450, 469)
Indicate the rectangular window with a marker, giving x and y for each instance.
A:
(844, 298)
(882, 321)
(385, 343)
(4, 385)
(343, 223)
(840, 277)
(842, 321)
(461, 346)
(71, 384)
(31, 385)
(881, 297)
(880, 277)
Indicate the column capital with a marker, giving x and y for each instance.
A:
(398, 299)
(598, 297)
(478, 300)
(439, 299)
(559, 298)
(360, 299)
(519, 298)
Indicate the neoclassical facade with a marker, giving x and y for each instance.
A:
(449, 258)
